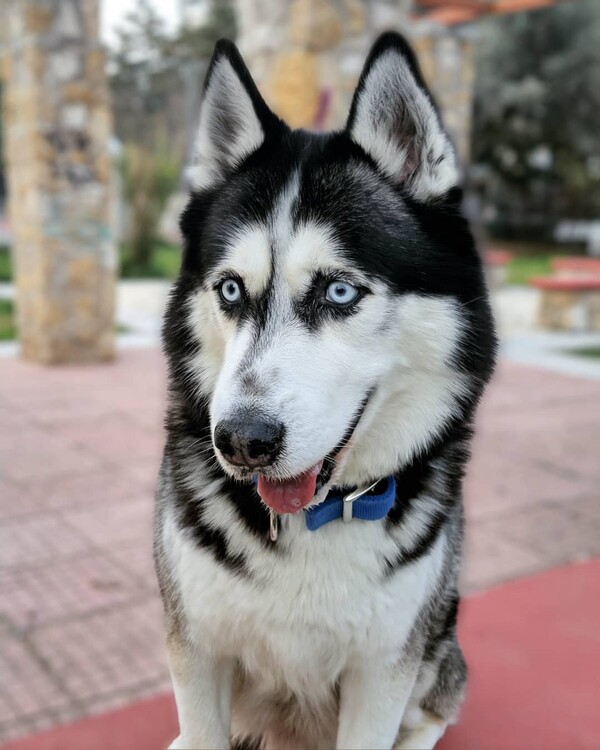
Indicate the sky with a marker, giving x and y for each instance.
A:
(112, 13)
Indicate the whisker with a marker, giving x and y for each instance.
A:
(475, 299)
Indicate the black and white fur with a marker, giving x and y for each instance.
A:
(344, 637)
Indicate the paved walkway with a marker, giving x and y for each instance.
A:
(80, 623)
(531, 646)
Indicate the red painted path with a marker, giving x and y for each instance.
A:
(533, 648)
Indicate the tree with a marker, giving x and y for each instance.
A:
(197, 42)
(152, 72)
(156, 80)
(537, 110)
(149, 178)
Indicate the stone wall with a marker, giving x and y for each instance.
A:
(446, 58)
(58, 124)
(306, 56)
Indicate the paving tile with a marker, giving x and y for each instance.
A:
(32, 541)
(67, 410)
(12, 417)
(79, 456)
(143, 472)
(141, 691)
(12, 499)
(37, 596)
(588, 509)
(26, 684)
(516, 387)
(497, 482)
(107, 652)
(115, 438)
(24, 725)
(116, 524)
(564, 416)
(31, 454)
(557, 532)
(572, 453)
(491, 558)
(91, 488)
(136, 558)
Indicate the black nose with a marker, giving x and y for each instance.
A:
(249, 440)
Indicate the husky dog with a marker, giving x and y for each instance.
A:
(328, 339)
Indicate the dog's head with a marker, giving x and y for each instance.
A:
(331, 311)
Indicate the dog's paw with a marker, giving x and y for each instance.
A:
(184, 743)
(181, 743)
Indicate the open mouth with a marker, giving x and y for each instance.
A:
(293, 494)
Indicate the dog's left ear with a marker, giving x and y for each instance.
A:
(394, 119)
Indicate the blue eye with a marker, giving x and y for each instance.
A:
(231, 291)
(341, 293)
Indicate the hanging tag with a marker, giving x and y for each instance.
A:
(273, 525)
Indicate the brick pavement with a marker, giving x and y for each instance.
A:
(80, 624)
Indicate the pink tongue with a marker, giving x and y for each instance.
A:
(289, 495)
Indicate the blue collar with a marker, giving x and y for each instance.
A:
(350, 505)
(346, 505)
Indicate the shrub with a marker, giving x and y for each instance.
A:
(149, 177)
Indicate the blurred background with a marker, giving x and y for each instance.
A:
(99, 103)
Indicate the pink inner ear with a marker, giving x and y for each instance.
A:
(410, 164)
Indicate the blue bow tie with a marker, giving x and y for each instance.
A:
(347, 505)
(350, 505)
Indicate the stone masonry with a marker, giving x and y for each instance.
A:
(306, 56)
(446, 58)
(58, 125)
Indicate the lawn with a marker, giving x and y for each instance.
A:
(8, 329)
(593, 352)
(5, 265)
(164, 264)
(531, 259)
(522, 268)
(528, 261)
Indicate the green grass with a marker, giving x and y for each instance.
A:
(5, 264)
(593, 352)
(8, 329)
(522, 268)
(163, 265)
(529, 261)
(532, 258)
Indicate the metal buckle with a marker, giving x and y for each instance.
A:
(273, 525)
(349, 499)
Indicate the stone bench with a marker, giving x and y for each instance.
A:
(578, 266)
(569, 302)
(496, 266)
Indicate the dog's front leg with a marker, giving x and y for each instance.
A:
(202, 685)
(373, 697)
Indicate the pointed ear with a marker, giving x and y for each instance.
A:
(394, 119)
(234, 118)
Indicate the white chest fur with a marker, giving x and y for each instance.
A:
(299, 616)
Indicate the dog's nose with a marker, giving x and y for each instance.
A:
(249, 440)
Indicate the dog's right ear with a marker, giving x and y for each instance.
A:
(234, 118)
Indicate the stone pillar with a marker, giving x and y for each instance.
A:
(306, 55)
(446, 58)
(58, 125)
